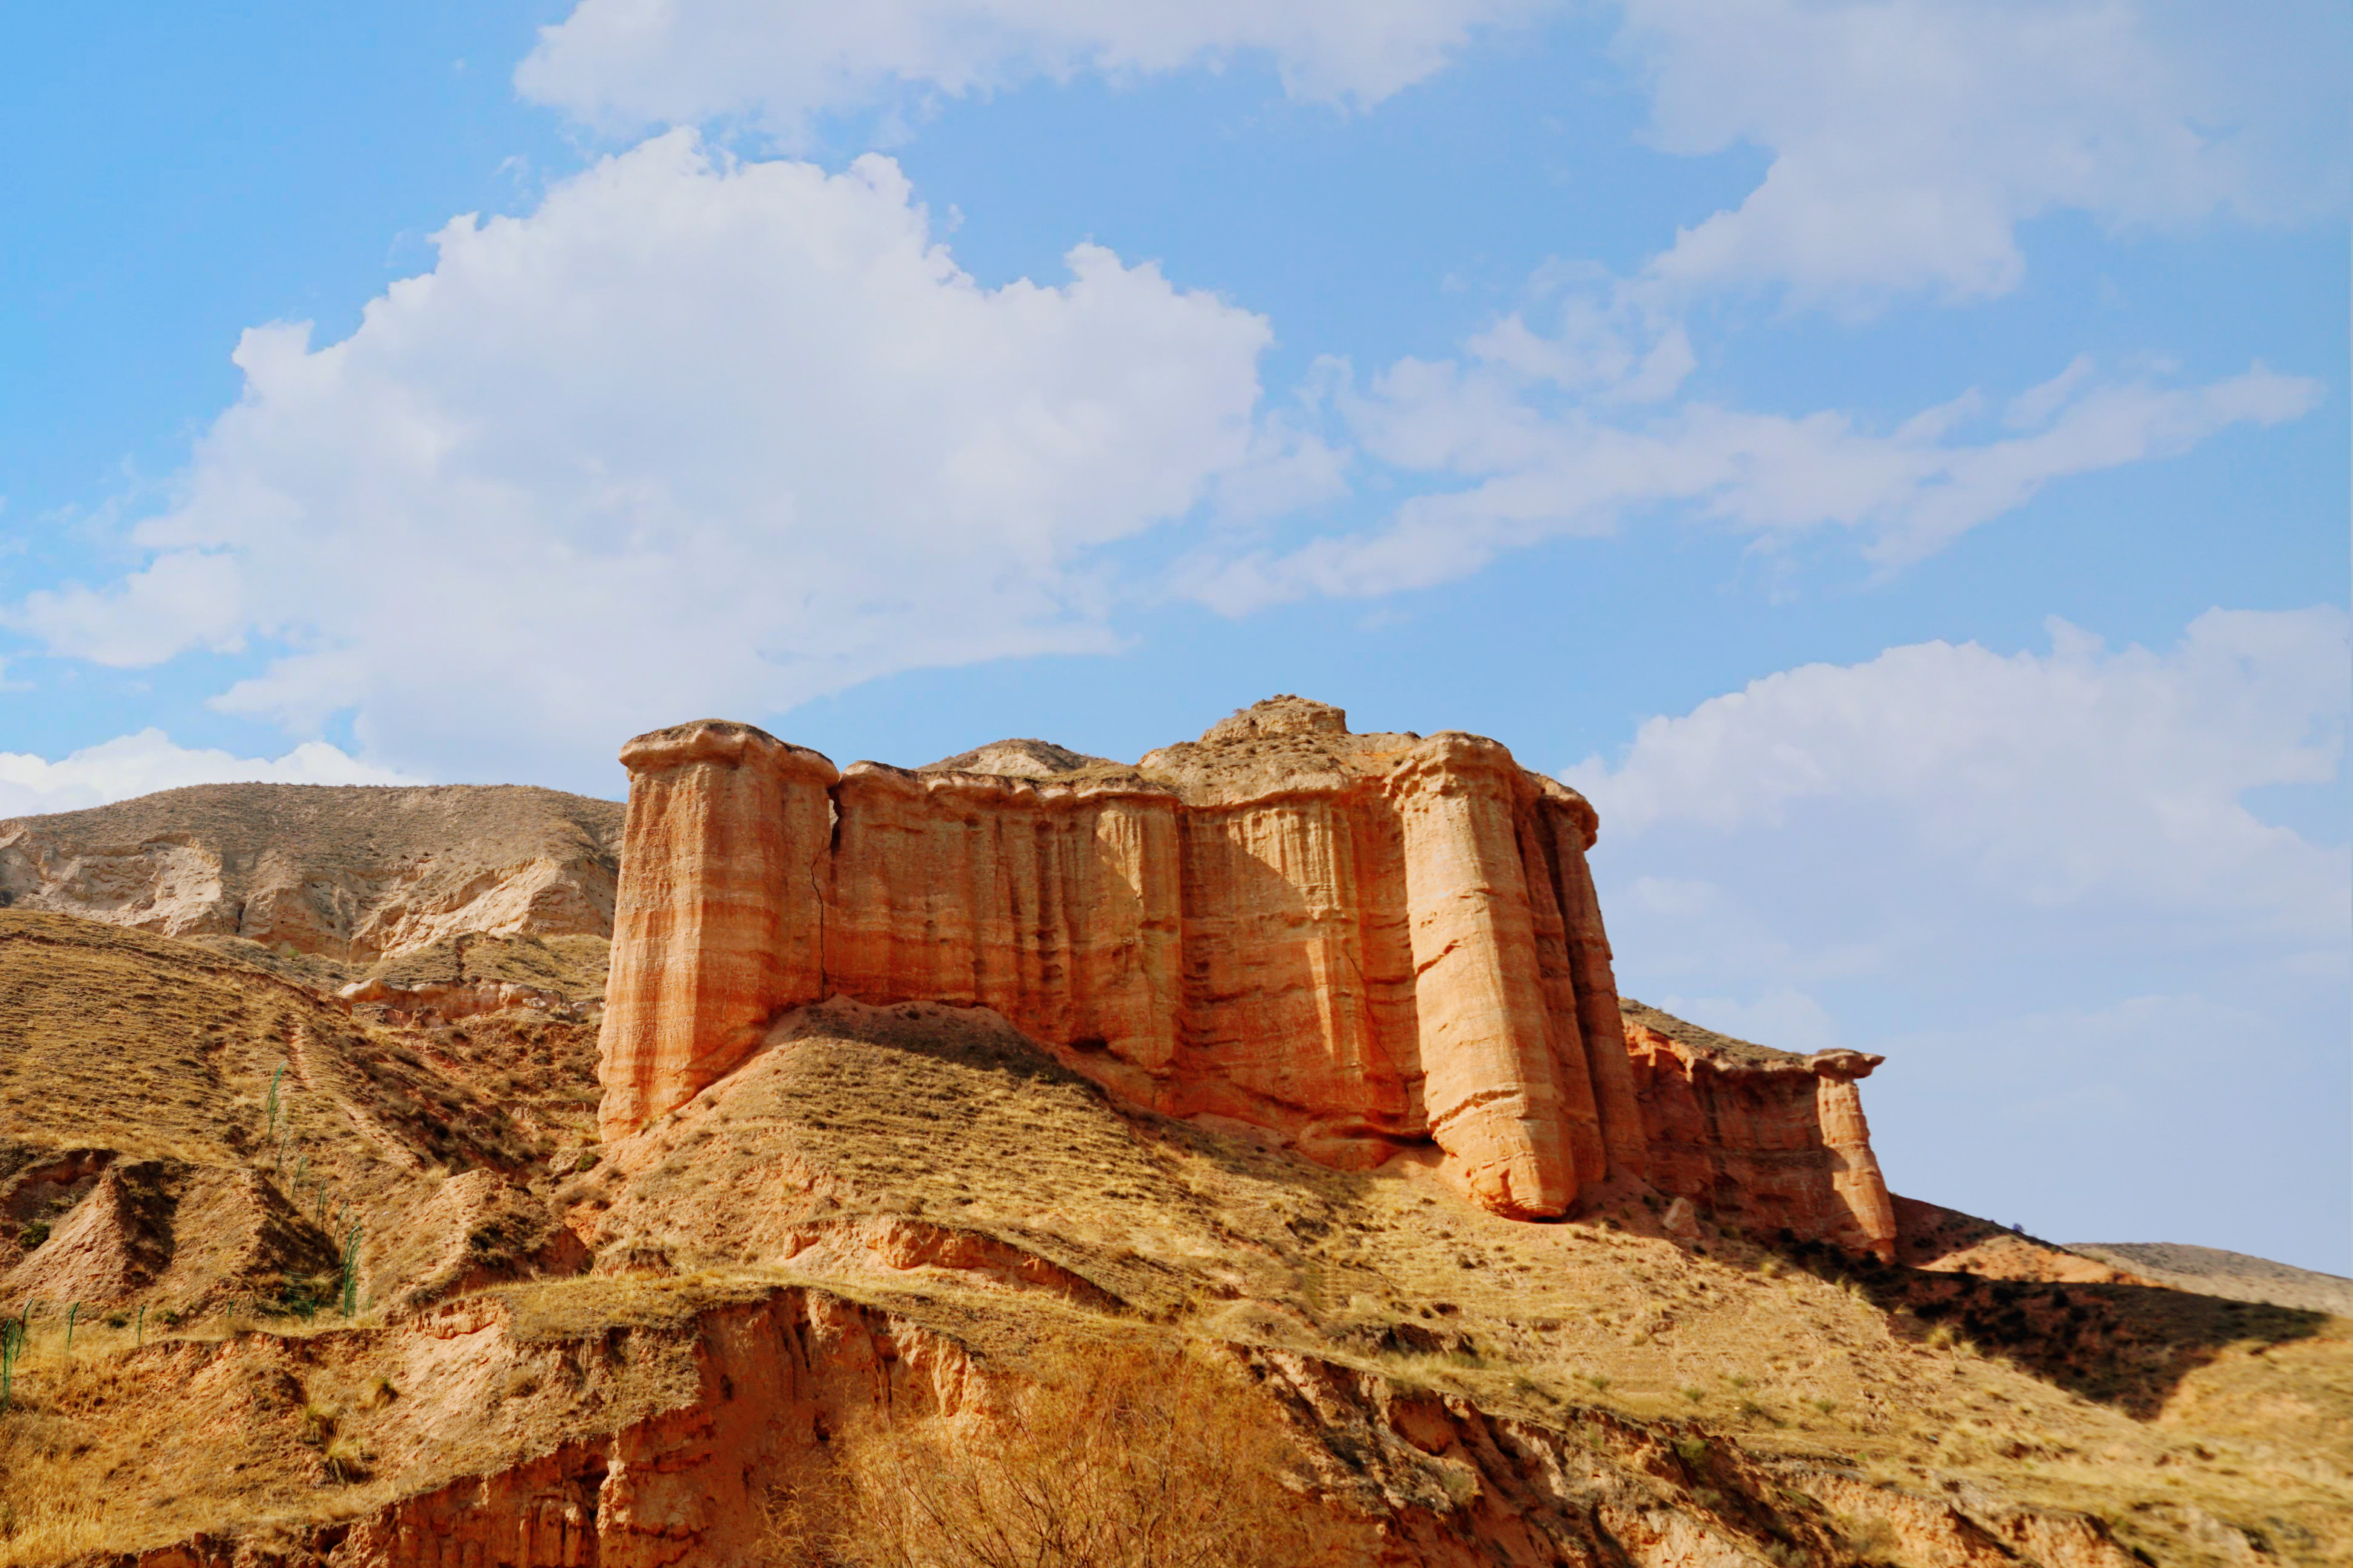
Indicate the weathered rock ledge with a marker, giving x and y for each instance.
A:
(1766, 1138)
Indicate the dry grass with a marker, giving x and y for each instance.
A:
(2075, 1396)
(152, 1047)
(932, 1164)
(1119, 1456)
(140, 1060)
(48, 1512)
(572, 965)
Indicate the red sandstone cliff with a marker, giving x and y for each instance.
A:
(1764, 1139)
(1361, 943)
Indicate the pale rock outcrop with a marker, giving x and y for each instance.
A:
(352, 873)
(436, 1003)
(1767, 1139)
(2234, 1276)
(1362, 942)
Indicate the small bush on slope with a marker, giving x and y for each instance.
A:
(1129, 1458)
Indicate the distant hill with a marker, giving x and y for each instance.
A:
(2234, 1276)
(348, 873)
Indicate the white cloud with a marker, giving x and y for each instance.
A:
(1911, 138)
(1536, 471)
(2052, 890)
(694, 435)
(2082, 777)
(629, 63)
(142, 764)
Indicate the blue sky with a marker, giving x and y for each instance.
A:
(1893, 455)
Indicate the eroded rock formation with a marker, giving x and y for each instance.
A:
(1766, 1138)
(1361, 941)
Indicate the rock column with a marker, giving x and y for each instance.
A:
(1856, 1176)
(1130, 980)
(719, 917)
(1598, 1018)
(1589, 1154)
(1494, 1105)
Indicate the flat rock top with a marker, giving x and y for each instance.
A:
(323, 824)
(1283, 743)
(2211, 1271)
(1701, 1039)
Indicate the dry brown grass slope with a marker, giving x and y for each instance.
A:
(2211, 1271)
(914, 1211)
(918, 1141)
(572, 964)
(128, 1058)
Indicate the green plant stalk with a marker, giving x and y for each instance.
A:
(273, 1100)
(141, 1342)
(351, 1271)
(71, 1313)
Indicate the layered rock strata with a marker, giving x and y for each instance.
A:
(1362, 942)
(1767, 1140)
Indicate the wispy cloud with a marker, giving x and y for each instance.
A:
(1504, 464)
(144, 762)
(625, 64)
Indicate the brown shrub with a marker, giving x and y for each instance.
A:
(1125, 1458)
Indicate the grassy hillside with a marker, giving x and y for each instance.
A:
(963, 1210)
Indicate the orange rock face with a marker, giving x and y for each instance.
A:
(718, 922)
(1769, 1140)
(1361, 943)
